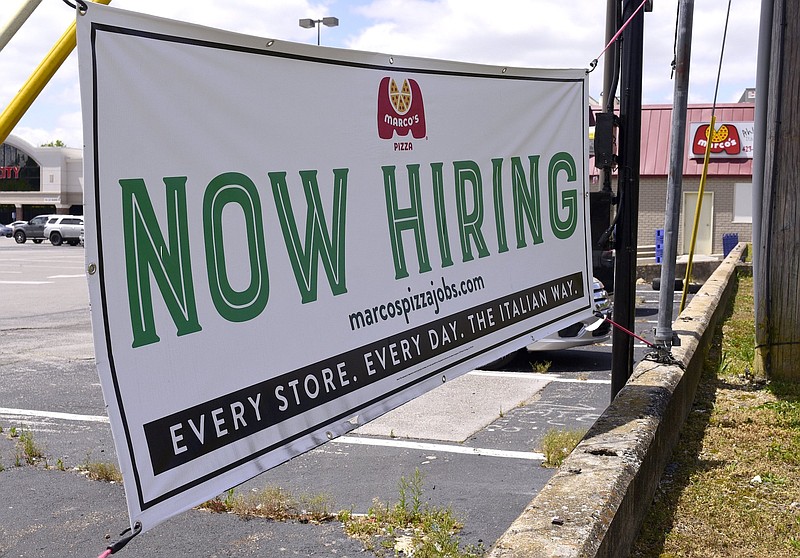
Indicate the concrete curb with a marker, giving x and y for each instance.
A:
(594, 505)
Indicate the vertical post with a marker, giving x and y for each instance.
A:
(759, 150)
(666, 295)
(778, 292)
(16, 21)
(627, 224)
(610, 69)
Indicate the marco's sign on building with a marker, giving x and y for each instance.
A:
(729, 140)
(286, 241)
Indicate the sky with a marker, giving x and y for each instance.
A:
(532, 34)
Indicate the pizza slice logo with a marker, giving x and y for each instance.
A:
(724, 139)
(400, 109)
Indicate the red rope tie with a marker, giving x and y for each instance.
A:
(593, 63)
(126, 538)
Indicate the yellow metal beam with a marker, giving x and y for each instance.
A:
(697, 209)
(39, 79)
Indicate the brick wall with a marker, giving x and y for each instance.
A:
(653, 204)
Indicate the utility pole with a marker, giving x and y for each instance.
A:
(666, 295)
(777, 282)
(630, 132)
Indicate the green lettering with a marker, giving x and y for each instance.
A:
(403, 219)
(319, 243)
(470, 222)
(235, 306)
(563, 163)
(147, 254)
(526, 200)
(441, 215)
(499, 216)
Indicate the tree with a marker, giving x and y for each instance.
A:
(57, 143)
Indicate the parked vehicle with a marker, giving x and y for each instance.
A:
(64, 228)
(33, 229)
(5, 230)
(580, 334)
(585, 332)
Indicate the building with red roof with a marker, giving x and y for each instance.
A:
(727, 198)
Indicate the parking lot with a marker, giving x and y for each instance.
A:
(476, 440)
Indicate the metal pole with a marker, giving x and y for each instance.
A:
(759, 151)
(666, 296)
(38, 79)
(610, 72)
(626, 235)
(16, 21)
(610, 61)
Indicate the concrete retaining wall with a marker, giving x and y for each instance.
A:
(595, 504)
(701, 270)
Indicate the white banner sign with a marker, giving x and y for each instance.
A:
(285, 241)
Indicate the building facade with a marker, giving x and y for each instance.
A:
(39, 180)
(727, 198)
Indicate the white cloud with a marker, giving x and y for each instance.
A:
(546, 33)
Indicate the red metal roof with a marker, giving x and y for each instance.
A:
(656, 131)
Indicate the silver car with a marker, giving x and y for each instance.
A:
(64, 228)
(585, 332)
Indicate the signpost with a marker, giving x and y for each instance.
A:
(284, 242)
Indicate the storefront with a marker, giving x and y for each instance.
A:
(38, 180)
(726, 207)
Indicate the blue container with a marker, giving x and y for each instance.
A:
(729, 242)
(659, 245)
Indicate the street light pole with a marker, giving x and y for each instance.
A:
(308, 23)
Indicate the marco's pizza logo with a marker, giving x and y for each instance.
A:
(400, 109)
(724, 139)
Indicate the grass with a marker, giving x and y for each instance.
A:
(26, 449)
(273, 503)
(731, 489)
(101, 471)
(541, 367)
(558, 444)
(408, 527)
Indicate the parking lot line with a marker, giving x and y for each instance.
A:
(5, 412)
(537, 376)
(445, 448)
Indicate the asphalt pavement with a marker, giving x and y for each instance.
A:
(476, 440)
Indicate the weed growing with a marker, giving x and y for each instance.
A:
(408, 527)
(273, 503)
(558, 444)
(27, 451)
(102, 471)
(541, 367)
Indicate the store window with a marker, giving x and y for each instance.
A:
(743, 202)
(18, 171)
